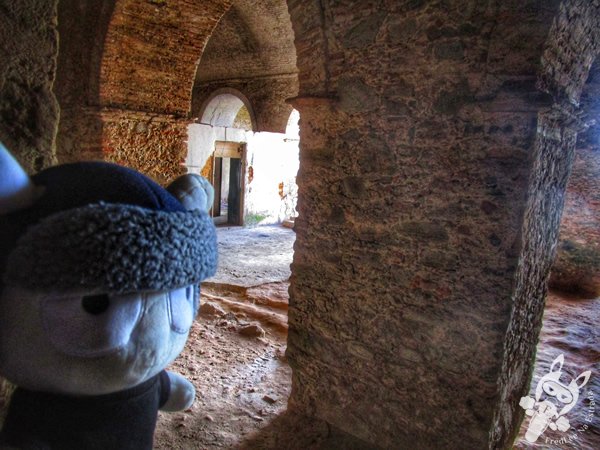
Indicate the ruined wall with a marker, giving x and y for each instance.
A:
(28, 108)
(417, 144)
(571, 47)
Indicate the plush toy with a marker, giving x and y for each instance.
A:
(100, 269)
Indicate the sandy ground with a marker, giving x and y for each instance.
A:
(243, 382)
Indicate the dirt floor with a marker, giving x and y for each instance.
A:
(235, 354)
(243, 381)
(236, 359)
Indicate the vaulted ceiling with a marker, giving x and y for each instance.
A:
(254, 38)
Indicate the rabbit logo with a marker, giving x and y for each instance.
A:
(553, 400)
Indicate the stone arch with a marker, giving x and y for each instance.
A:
(164, 60)
(252, 51)
(222, 106)
(570, 49)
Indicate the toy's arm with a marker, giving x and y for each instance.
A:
(181, 393)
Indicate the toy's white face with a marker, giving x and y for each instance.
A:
(91, 344)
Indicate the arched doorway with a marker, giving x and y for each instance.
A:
(228, 108)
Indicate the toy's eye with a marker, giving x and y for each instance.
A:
(189, 291)
(95, 304)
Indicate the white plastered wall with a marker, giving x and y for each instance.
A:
(273, 158)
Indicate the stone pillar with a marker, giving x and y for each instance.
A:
(572, 45)
(418, 140)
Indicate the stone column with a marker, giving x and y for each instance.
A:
(418, 146)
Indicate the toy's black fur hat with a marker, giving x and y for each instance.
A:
(99, 226)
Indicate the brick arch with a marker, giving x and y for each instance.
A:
(151, 53)
(374, 98)
(252, 50)
(137, 85)
(228, 110)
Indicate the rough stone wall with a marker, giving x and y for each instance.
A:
(576, 269)
(267, 96)
(572, 45)
(28, 108)
(153, 144)
(417, 141)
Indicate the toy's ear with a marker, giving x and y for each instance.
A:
(16, 188)
(193, 191)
